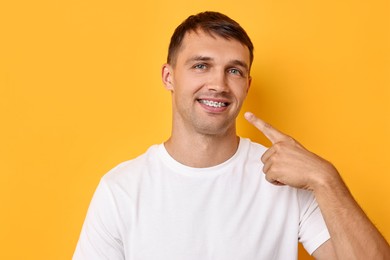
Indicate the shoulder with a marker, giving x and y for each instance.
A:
(252, 149)
(131, 169)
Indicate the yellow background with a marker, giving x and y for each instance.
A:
(80, 91)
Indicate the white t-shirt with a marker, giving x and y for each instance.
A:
(153, 208)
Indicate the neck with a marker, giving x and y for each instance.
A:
(202, 151)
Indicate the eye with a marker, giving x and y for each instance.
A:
(200, 66)
(235, 71)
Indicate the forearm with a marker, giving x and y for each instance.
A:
(287, 162)
(352, 234)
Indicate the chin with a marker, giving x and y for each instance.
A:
(216, 130)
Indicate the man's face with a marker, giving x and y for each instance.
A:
(209, 83)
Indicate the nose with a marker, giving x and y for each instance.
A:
(218, 82)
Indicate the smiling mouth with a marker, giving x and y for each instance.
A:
(211, 103)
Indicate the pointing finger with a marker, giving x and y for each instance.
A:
(271, 133)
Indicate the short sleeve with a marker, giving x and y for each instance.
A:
(312, 228)
(100, 237)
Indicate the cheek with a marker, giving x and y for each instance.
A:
(241, 89)
(189, 81)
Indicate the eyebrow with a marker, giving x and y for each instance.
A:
(205, 58)
(240, 63)
(198, 58)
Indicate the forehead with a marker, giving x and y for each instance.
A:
(200, 43)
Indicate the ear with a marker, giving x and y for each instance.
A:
(167, 76)
(249, 84)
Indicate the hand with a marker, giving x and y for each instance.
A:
(287, 162)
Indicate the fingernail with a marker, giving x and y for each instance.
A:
(248, 115)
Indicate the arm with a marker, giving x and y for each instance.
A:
(100, 238)
(287, 162)
(352, 234)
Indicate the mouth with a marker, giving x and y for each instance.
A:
(211, 103)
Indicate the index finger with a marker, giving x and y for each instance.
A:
(270, 132)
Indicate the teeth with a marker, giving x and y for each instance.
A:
(212, 103)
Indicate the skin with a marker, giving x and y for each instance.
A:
(207, 68)
(287, 162)
(215, 69)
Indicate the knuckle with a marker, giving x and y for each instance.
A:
(266, 167)
(278, 146)
(268, 178)
(263, 160)
(290, 140)
(274, 159)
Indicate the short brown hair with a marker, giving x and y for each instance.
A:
(213, 23)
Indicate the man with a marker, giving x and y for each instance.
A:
(202, 194)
